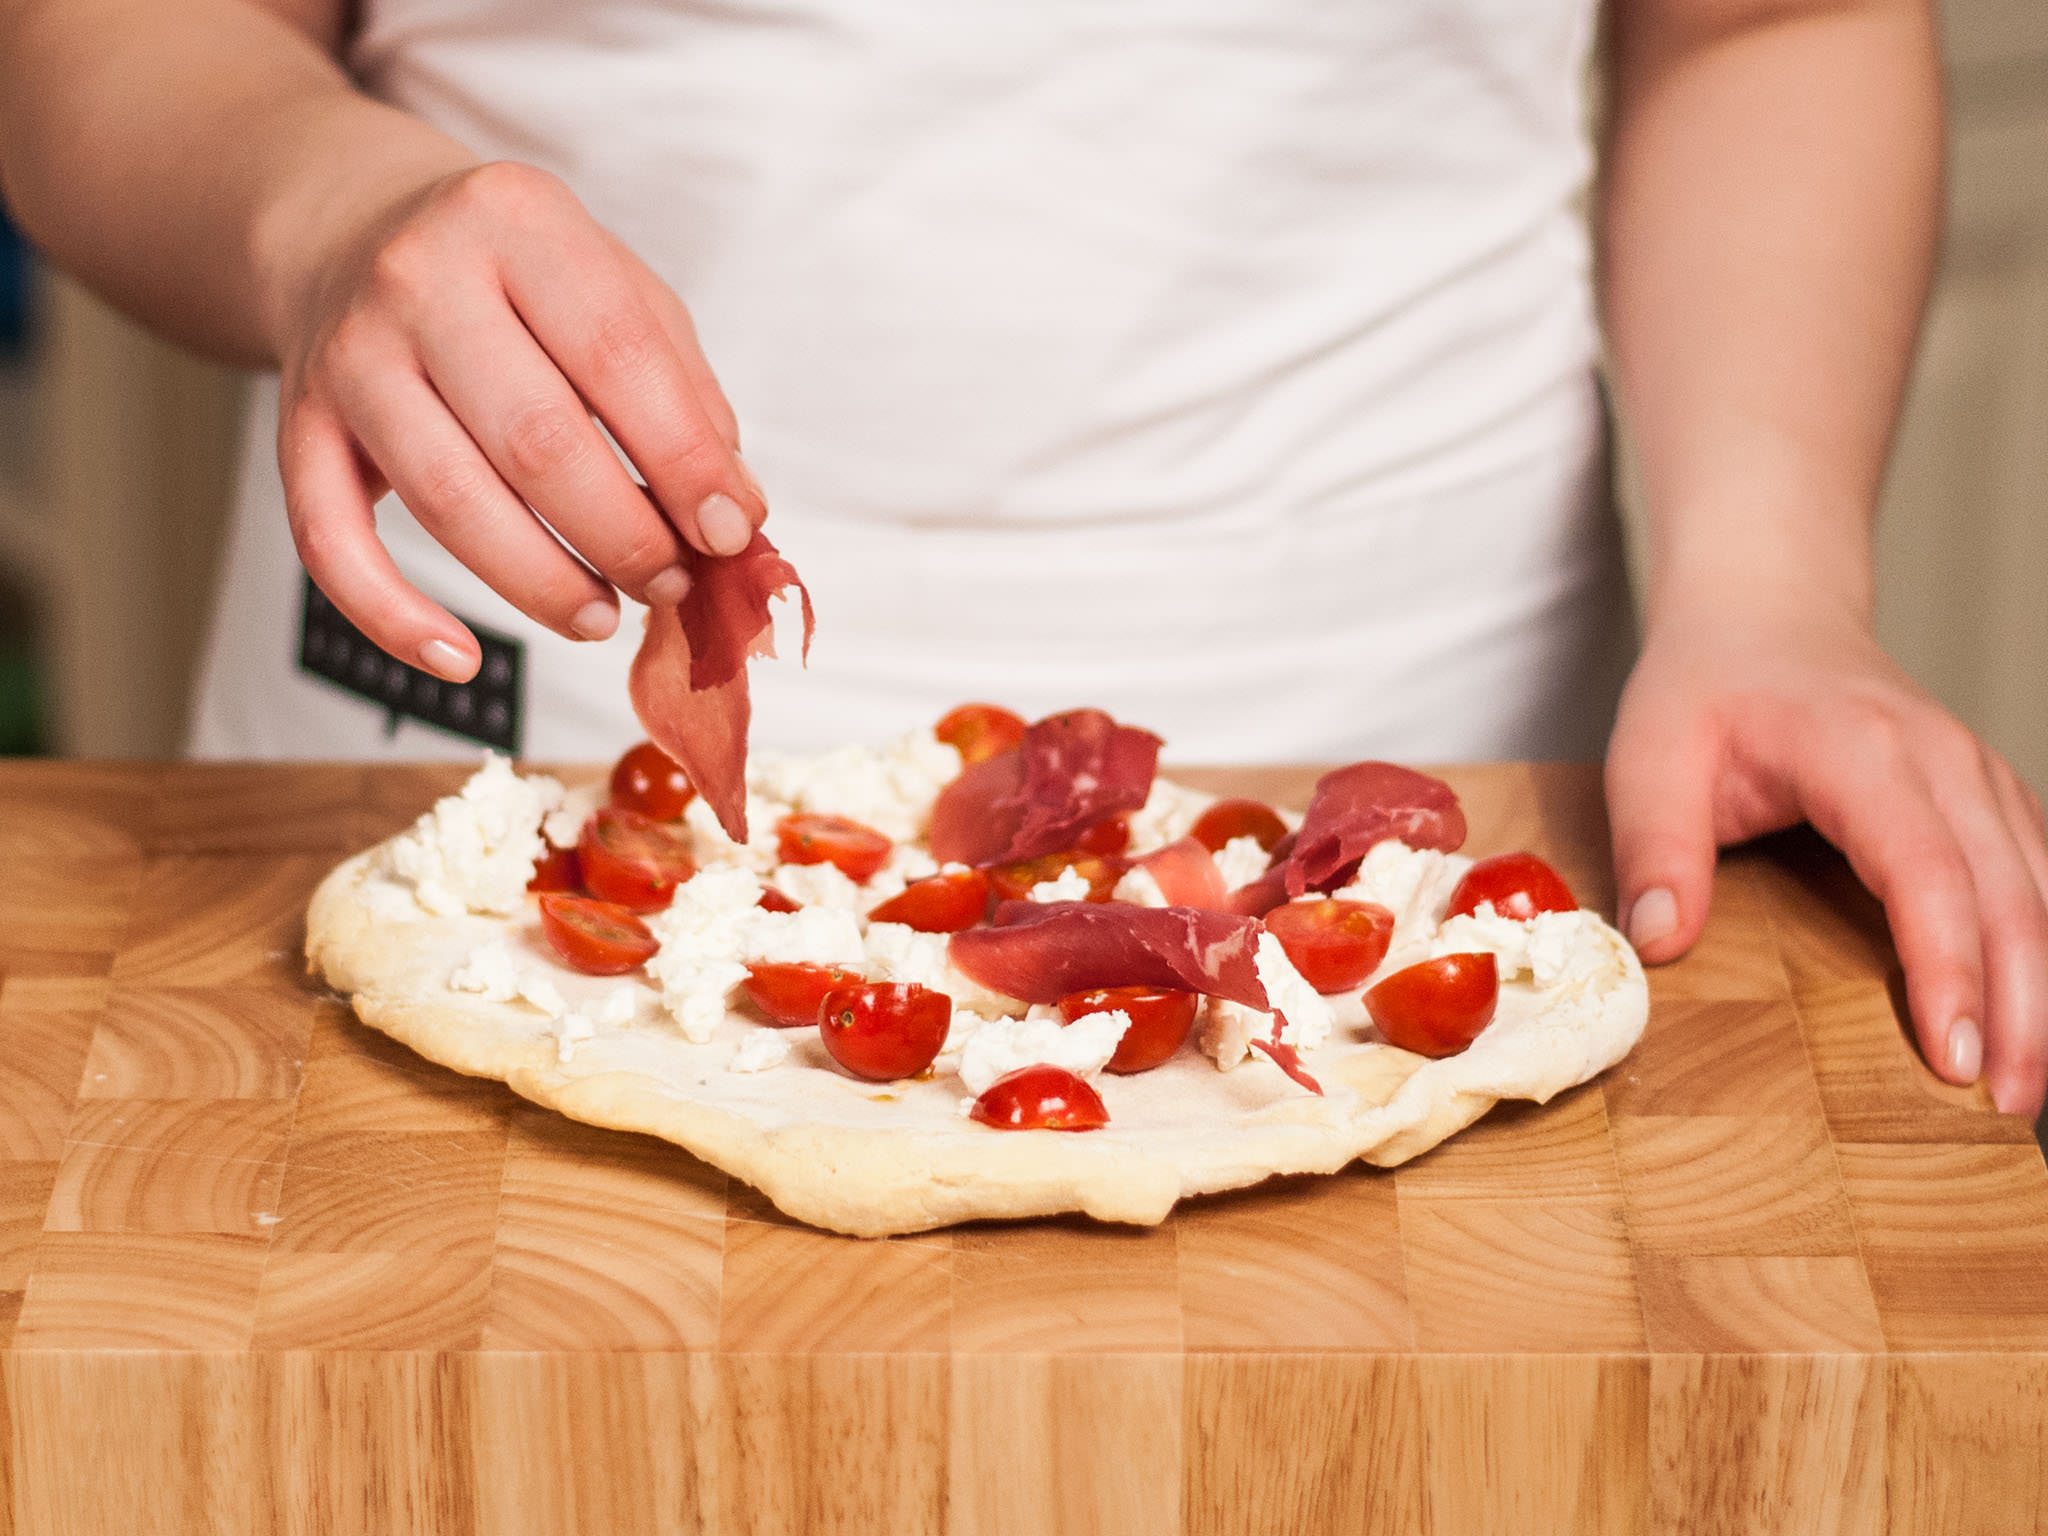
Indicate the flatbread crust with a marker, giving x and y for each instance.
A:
(872, 1160)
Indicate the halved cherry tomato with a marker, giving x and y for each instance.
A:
(1160, 1021)
(1438, 1007)
(1110, 835)
(938, 904)
(1013, 882)
(556, 869)
(1334, 944)
(633, 859)
(1040, 1098)
(790, 994)
(1518, 884)
(773, 900)
(810, 838)
(1228, 819)
(883, 1031)
(651, 782)
(598, 937)
(980, 731)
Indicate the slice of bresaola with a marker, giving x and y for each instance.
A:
(1041, 951)
(689, 678)
(1354, 808)
(1069, 772)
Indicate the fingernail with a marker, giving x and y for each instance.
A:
(445, 661)
(1965, 1051)
(668, 588)
(596, 620)
(1655, 914)
(724, 526)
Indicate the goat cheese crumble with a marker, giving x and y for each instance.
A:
(1000, 1046)
(475, 850)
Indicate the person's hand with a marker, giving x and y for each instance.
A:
(453, 346)
(1757, 714)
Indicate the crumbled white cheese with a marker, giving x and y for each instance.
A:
(1555, 948)
(710, 845)
(1168, 813)
(762, 1049)
(960, 1031)
(819, 885)
(563, 825)
(1070, 885)
(1415, 884)
(890, 788)
(1227, 1028)
(1000, 1046)
(715, 926)
(494, 973)
(474, 851)
(1241, 861)
(1139, 888)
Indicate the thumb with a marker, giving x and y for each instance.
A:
(1660, 804)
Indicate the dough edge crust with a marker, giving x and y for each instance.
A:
(890, 1180)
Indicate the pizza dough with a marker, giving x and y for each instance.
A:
(480, 991)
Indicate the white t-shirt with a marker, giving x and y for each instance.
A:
(1227, 364)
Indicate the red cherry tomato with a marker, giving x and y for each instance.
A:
(980, 731)
(598, 937)
(1013, 882)
(883, 1031)
(1110, 835)
(651, 782)
(1436, 1008)
(1160, 1021)
(556, 869)
(1518, 884)
(940, 904)
(633, 859)
(1228, 819)
(1040, 1098)
(809, 838)
(773, 900)
(790, 994)
(1334, 944)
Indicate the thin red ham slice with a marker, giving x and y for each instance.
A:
(1069, 772)
(1356, 807)
(689, 678)
(1041, 951)
(1187, 876)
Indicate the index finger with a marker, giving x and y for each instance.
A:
(607, 339)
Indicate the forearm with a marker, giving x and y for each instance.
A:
(1768, 217)
(181, 158)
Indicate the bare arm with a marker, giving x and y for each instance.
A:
(439, 323)
(1767, 227)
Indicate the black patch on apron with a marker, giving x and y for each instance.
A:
(486, 709)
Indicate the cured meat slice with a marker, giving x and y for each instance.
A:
(1366, 803)
(1070, 771)
(1187, 876)
(1041, 951)
(689, 677)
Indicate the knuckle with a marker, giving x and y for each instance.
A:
(646, 552)
(626, 346)
(540, 439)
(405, 266)
(506, 188)
(1871, 730)
(450, 485)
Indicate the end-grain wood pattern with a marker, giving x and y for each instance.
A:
(263, 1270)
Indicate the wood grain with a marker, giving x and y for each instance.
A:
(263, 1270)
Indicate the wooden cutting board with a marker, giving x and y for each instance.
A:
(262, 1270)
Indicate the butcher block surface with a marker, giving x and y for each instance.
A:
(263, 1270)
